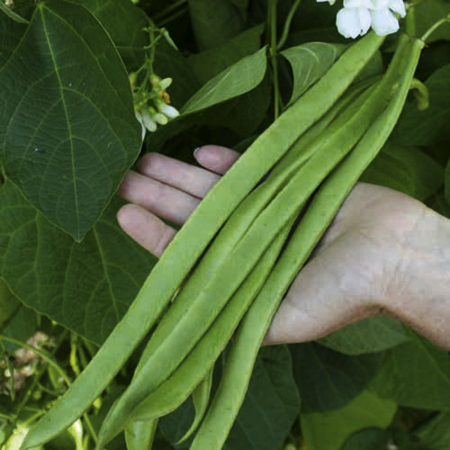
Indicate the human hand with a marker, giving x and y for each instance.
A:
(372, 259)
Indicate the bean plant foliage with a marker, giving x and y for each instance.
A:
(70, 73)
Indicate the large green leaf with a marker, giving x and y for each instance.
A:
(416, 374)
(341, 379)
(329, 430)
(124, 23)
(309, 62)
(85, 286)
(236, 80)
(68, 127)
(374, 334)
(210, 63)
(236, 98)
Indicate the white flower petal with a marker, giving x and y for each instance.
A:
(358, 4)
(353, 22)
(149, 123)
(398, 6)
(384, 22)
(141, 121)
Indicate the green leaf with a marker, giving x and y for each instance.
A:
(428, 127)
(124, 23)
(238, 79)
(86, 286)
(210, 63)
(69, 130)
(371, 335)
(309, 62)
(435, 434)
(214, 21)
(342, 377)
(369, 439)
(271, 404)
(329, 430)
(416, 374)
(405, 169)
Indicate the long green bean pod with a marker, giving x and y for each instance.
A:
(176, 389)
(170, 353)
(230, 395)
(246, 213)
(190, 242)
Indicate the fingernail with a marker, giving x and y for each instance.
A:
(196, 150)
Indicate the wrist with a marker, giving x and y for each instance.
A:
(419, 294)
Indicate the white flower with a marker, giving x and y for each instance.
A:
(358, 16)
(384, 22)
(149, 122)
(354, 19)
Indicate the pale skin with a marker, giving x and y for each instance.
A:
(383, 253)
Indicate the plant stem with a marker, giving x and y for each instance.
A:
(434, 27)
(411, 21)
(287, 25)
(272, 27)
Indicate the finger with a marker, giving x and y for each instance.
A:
(145, 228)
(163, 200)
(216, 158)
(185, 177)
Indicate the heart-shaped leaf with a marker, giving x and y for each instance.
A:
(69, 130)
(85, 286)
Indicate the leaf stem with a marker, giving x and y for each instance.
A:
(434, 27)
(287, 25)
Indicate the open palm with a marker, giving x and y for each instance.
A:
(362, 266)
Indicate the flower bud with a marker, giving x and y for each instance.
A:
(165, 83)
(165, 109)
(149, 123)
